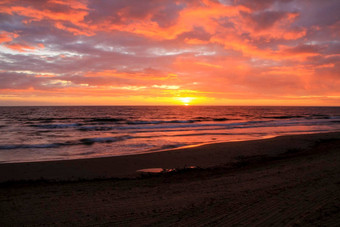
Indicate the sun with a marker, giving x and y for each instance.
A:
(186, 100)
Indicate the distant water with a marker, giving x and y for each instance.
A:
(58, 133)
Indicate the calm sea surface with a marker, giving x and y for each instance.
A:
(58, 133)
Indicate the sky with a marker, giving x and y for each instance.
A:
(168, 52)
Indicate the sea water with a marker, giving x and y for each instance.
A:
(59, 133)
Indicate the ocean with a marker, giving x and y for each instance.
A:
(60, 133)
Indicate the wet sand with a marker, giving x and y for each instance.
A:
(289, 180)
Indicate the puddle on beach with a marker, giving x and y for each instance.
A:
(162, 170)
(151, 170)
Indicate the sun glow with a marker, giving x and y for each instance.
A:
(186, 100)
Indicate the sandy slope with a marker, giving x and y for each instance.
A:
(299, 187)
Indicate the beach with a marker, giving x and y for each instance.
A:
(287, 180)
(170, 113)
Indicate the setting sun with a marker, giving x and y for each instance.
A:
(186, 100)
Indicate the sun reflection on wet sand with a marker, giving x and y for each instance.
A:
(163, 170)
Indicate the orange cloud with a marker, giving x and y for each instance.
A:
(201, 16)
(147, 74)
(7, 36)
(37, 15)
(22, 47)
(74, 14)
(209, 65)
(45, 75)
(73, 4)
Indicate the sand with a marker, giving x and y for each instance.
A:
(288, 180)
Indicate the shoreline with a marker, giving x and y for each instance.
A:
(203, 156)
(186, 147)
(160, 150)
(166, 149)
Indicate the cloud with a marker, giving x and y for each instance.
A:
(64, 15)
(22, 47)
(6, 37)
(239, 49)
(11, 80)
(304, 48)
(266, 19)
(255, 4)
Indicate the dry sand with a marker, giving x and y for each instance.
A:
(289, 180)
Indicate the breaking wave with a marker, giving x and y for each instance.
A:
(84, 141)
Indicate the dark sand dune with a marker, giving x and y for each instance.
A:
(296, 186)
